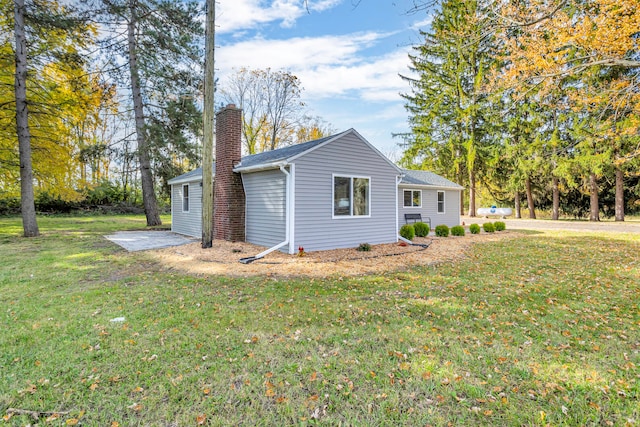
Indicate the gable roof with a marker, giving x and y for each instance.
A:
(191, 176)
(280, 154)
(426, 178)
(273, 159)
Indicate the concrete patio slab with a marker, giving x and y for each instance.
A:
(146, 240)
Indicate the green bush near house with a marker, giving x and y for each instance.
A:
(407, 231)
(422, 229)
(500, 226)
(457, 230)
(489, 227)
(442, 230)
(364, 247)
(474, 229)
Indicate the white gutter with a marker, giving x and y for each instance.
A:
(398, 180)
(287, 221)
(261, 167)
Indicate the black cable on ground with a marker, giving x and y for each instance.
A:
(423, 246)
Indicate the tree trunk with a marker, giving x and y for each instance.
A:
(619, 195)
(472, 193)
(460, 178)
(27, 200)
(594, 211)
(461, 193)
(555, 215)
(208, 119)
(530, 204)
(517, 205)
(148, 193)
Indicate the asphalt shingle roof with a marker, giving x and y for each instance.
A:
(414, 177)
(193, 175)
(280, 154)
(265, 158)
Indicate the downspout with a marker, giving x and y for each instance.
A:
(286, 226)
(398, 181)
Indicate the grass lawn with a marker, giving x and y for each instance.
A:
(538, 330)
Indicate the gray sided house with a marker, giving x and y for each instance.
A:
(435, 198)
(334, 192)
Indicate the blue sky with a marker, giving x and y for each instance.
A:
(346, 56)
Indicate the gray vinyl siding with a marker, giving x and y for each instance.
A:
(187, 223)
(265, 204)
(429, 208)
(315, 229)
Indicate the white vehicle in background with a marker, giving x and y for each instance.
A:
(501, 212)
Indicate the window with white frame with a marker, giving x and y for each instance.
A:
(412, 198)
(351, 196)
(185, 198)
(440, 201)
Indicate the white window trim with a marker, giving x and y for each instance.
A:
(333, 189)
(410, 207)
(188, 198)
(444, 198)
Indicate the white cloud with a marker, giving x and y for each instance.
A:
(327, 66)
(424, 24)
(234, 15)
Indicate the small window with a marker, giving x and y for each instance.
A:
(412, 198)
(185, 198)
(350, 196)
(440, 201)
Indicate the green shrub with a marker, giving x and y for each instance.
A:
(500, 226)
(457, 230)
(364, 247)
(407, 231)
(489, 227)
(474, 229)
(10, 206)
(442, 230)
(49, 203)
(422, 229)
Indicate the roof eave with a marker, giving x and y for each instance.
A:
(443, 187)
(184, 180)
(261, 167)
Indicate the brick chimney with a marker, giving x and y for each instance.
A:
(228, 192)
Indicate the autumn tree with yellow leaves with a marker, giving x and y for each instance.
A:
(590, 50)
(563, 118)
(45, 97)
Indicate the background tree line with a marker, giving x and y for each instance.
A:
(532, 103)
(101, 103)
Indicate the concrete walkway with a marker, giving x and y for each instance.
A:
(145, 240)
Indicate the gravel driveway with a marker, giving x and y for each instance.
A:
(569, 225)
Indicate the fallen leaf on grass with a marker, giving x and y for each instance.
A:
(72, 421)
(201, 419)
(136, 407)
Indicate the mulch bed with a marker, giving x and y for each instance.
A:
(223, 258)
